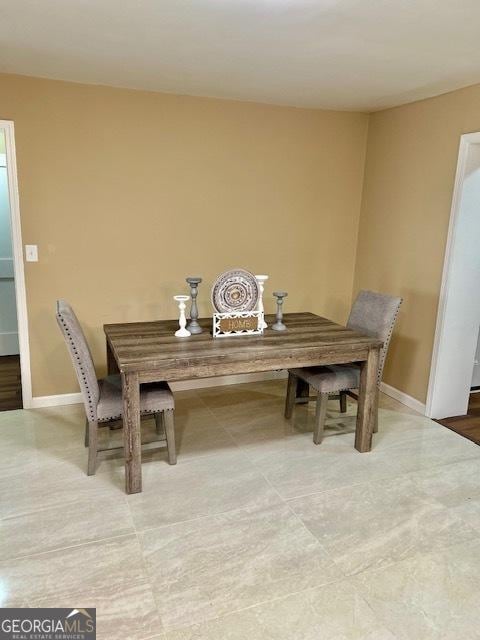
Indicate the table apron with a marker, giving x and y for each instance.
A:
(189, 370)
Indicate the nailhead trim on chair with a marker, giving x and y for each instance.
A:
(143, 413)
(386, 344)
(91, 409)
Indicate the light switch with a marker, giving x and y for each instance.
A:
(31, 253)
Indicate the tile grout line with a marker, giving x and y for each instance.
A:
(238, 447)
(213, 453)
(257, 604)
(297, 517)
(395, 562)
(138, 539)
(148, 580)
(222, 427)
(72, 546)
(206, 516)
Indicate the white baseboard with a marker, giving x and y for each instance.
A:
(75, 398)
(220, 381)
(402, 397)
(39, 402)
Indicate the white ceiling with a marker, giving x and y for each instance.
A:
(339, 54)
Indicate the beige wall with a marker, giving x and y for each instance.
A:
(410, 169)
(127, 192)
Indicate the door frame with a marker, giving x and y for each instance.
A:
(7, 127)
(466, 140)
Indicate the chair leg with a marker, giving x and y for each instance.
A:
(170, 435)
(343, 402)
(92, 447)
(320, 415)
(291, 395)
(86, 432)
(375, 409)
(159, 423)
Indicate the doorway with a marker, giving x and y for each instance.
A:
(454, 371)
(15, 383)
(10, 375)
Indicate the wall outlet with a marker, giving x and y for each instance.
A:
(31, 253)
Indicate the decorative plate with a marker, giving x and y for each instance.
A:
(235, 290)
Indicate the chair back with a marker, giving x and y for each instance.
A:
(81, 357)
(374, 314)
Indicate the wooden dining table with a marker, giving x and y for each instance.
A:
(149, 352)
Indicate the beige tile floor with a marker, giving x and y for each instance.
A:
(255, 533)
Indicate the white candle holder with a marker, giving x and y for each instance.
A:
(182, 321)
(261, 284)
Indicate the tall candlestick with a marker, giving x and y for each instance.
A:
(261, 285)
(193, 325)
(182, 321)
(280, 295)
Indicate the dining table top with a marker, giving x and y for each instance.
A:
(309, 338)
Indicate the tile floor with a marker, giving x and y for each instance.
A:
(256, 533)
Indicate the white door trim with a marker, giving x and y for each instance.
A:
(20, 291)
(440, 332)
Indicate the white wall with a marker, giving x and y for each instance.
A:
(461, 321)
(8, 309)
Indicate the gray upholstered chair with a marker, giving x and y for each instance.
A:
(372, 314)
(103, 398)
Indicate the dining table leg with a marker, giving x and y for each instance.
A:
(131, 432)
(367, 401)
(112, 366)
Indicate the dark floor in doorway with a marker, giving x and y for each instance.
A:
(467, 426)
(10, 383)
